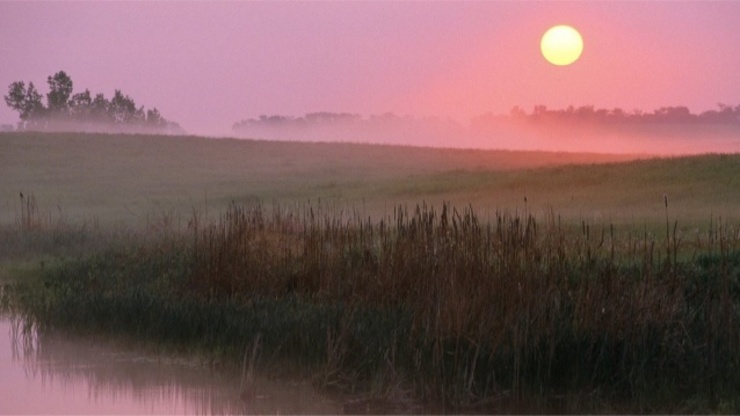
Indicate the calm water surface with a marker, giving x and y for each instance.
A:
(62, 374)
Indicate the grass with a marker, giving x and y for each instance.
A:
(589, 296)
(455, 310)
(118, 180)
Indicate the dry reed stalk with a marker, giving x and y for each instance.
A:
(247, 387)
(513, 290)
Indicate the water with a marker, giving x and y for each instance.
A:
(54, 372)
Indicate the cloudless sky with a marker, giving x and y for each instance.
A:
(207, 65)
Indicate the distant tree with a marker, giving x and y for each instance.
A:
(325, 117)
(60, 89)
(80, 106)
(517, 112)
(16, 98)
(154, 119)
(66, 111)
(725, 114)
(585, 111)
(275, 119)
(122, 109)
(679, 114)
(27, 102)
(617, 114)
(539, 110)
(99, 108)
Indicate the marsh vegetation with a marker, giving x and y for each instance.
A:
(449, 279)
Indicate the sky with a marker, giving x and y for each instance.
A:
(207, 65)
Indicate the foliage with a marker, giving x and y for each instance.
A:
(60, 90)
(725, 114)
(27, 102)
(457, 309)
(66, 111)
(572, 128)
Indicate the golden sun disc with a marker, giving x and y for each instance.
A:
(561, 45)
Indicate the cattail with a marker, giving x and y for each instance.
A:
(667, 230)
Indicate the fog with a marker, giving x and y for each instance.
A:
(503, 133)
(98, 126)
(485, 132)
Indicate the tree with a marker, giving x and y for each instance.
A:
(539, 111)
(80, 105)
(154, 119)
(122, 108)
(16, 98)
(617, 114)
(679, 114)
(67, 111)
(27, 102)
(99, 108)
(517, 112)
(60, 89)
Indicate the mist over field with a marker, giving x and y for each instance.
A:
(500, 132)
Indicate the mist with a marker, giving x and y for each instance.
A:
(98, 126)
(502, 132)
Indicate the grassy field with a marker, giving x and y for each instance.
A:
(594, 295)
(129, 179)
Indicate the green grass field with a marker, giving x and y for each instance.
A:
(388, 269)
(129, 179)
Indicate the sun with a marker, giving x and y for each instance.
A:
(561, 45)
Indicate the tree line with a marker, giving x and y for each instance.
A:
(66, 111)
(329, 126)
(724, 114)
(322, 118)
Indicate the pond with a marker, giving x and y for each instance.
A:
(55, 372)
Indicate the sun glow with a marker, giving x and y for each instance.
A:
(561, 45)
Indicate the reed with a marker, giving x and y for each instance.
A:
(461, 310)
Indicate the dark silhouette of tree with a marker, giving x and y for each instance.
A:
(330, 118)
(80, 106)
(617, 114)
(27, 102)
(517, 112)
(678, 114)
(123, 109)
(60, 89)
(99, 108)
(65, 111)
(154, 119)
(725, 114)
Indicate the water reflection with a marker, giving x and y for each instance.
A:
(53, 372)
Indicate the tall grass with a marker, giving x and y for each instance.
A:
(452, 307)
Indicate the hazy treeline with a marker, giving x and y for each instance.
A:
(320, 126)
(725, 114)
(65, 111)
(584, 128)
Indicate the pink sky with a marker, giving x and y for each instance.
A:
(207, 65)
